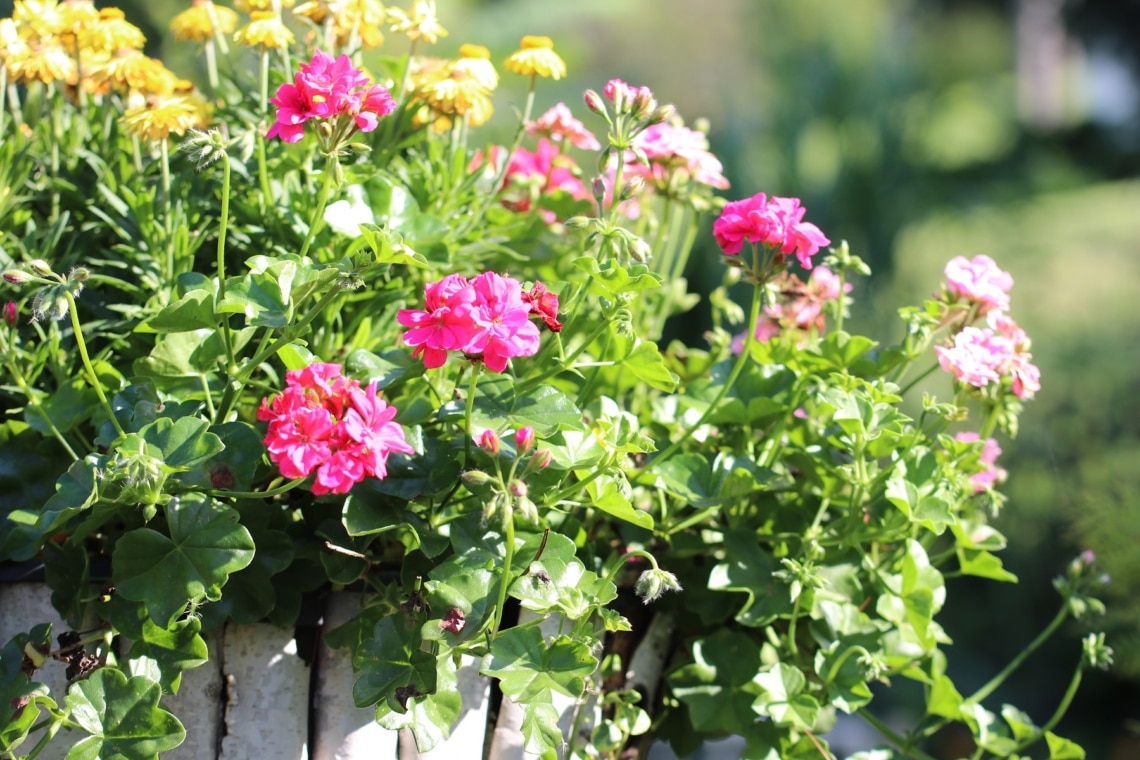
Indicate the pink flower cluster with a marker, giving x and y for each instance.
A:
(990, 473)
(541, 173)
(559, 125)
(486, 318)
(775, 222)
(979, 356)
(325, 88)
(671, 149)
(625, 98)
(800, 305)
(979, 281)
(327, 423)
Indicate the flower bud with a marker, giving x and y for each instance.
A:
(640, 251)
(598, 188)
(524, 439)
(617, 92)
(594, 102)
(489, 442)
(518, 488)
(79, 274)
(476, 478)
(643, 103)
(662, 114)
(655, 582)
(577, 223)
(15, 276)
(11, 313)
(541, 459)
(40, 267)
(526, 510)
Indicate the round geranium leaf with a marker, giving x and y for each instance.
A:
(123, 717)
(206, 543)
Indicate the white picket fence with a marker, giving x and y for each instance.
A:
(255, 697)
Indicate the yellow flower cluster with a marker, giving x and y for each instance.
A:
(458, 88)
(536, 56)
(202, 20)
(265, 29)
(347, 23)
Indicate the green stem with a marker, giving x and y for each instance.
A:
(991, 422)
(212, 66)
(223, 227)
(1015, 663)
(266, 494)
(1059, 713)
(743, 359)
(565, 364)
(505, 581)
(890, 735)
(57, 135)
(95, 382)
(839, 301)
(919, 379)
(32, 404)
(3, 99)
(322, 201)
(167, 222)
(468, 410)
(612, 574)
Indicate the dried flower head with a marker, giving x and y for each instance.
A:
(536, 56)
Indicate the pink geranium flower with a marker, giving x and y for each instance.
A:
(671, 149)
(775, 222)
(980, 281)
(990, 473)
(326, 425)
(327, 88)
(487, 319)
(560, 126)
(979, 356)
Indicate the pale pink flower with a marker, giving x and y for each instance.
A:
(979, 281)
(540, 173)
(990, 474)
(325, 424)
(975, 357)
(671, 149)
(776, 222)
(559, 125)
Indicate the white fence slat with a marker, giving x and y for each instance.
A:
(466, 740)
(345, 731)
(198, 704)
(267, 686)
(645, 667)
(22, 606)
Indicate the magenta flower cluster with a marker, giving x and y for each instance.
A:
(327, 89)
(775, 222)
(486, 318)
(325, 423)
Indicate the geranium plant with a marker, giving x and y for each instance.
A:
(263, 347)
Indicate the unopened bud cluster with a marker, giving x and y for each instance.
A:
(511, 492)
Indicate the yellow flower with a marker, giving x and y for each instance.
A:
(266, 29)
(421, 23)
(37, 18)
(457, 94)
(74, 17)
(197, 23)
(536, 56)
(164, 114)
(12, 45)
(45, 62)
(249, 6)
(347, 17)
(475, 62)
(131, 70)
(110, 32)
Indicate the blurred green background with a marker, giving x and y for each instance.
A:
(918, 131)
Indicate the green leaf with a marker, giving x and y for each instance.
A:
(782, 698)
(123, 717)
(839, 669)
(177, 648)
(251, 593)
(748, 568)
(193, 311)
(689, 476)
(608, 493)
(541, 734)
(20, 700)
(429, 716)
(545, 408)
(558, 581)
(392, 660)
(383, 369)
(184, 442)
(206, 544)
(943, 699)
(717, 686)
(647, 364)
(75, 492)
(69, 405)
(576, 449)
(389, 248)
(464, 582)
(841, 350)
(613, 279)
(984, 565)
(528, 667)
(1020, 724)
(1063, 749)
(263, 297)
